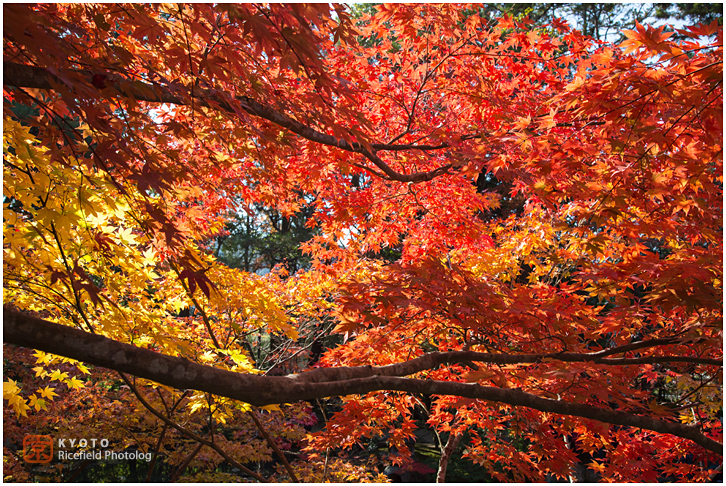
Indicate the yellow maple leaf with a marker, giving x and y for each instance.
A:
(74, 382)
(40, 371)
(19, 406)
(47, 392)
(58, 375)
(42, 358)
(10, 388)
(37, 403)
(685, 418)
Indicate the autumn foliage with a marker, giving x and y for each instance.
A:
(517, 227)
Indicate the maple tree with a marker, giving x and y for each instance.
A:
(584, 319)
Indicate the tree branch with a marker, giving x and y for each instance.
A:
(24, 330)
(432, 360)
(274, 447)
(26, 76)
(201, 440)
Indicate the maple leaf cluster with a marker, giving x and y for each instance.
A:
(518, 232)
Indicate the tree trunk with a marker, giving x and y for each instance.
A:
(446, 453)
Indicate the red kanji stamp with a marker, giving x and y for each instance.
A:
(38, 448)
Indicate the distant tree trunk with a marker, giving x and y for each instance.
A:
(446, 453)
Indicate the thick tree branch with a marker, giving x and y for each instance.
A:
(26, 76)
(32, 332)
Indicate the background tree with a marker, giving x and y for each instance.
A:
(258, 240)
(605, 21)
(703, 13)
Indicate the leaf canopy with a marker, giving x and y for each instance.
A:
(518, 229)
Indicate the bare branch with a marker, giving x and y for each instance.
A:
(188, 433)
(274, 447)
